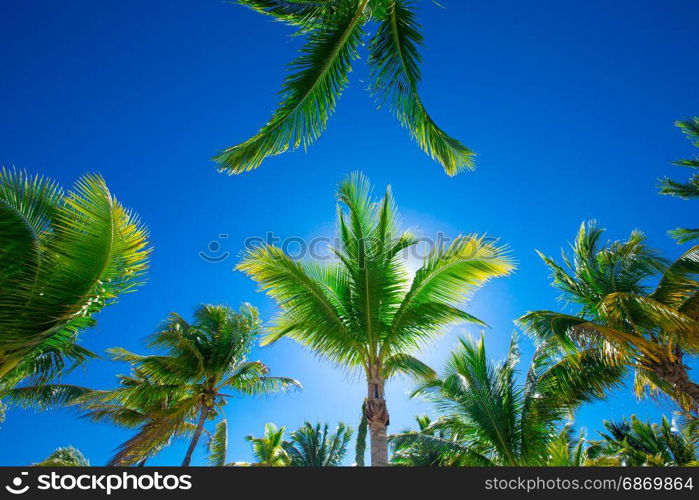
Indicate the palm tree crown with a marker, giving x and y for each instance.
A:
(63, 257)
(203, 361)
(269, 449)
(361, 311)
(649, 329)
(334, 30)
(311, 446)
(638, 444)
(488, 419)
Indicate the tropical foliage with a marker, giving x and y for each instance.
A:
(488, 419)
(64, 457)
(63, 257)
(362, 311)
(689, 189)
(269, 449)
(649, 329)
(334, 31)
(313, 446)
(189, 382)
(636, 443)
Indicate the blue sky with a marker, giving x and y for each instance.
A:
(569, 105)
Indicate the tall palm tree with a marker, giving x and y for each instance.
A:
(489, 419)
(637, 443)
(689, 189)
(648, 329)
(361, 311)
(269, 449)
(311, 446)
(334, 30)
(202, 361)
(64, 457)
(63, 257)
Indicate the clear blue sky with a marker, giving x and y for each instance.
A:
(569, 104)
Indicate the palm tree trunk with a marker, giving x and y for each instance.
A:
(204, 412)
(377, 416)
(675, 373)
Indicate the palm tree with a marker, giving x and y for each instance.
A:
(309, 446)
(687, 190)
(201, 361)
(334, 30)
(649, 330)
(64, 457)
(488, 419)
(637, 444)
(269, 449)
(360, 311)
(63, 257)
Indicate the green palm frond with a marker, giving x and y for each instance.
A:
(218, 444)
(685, 190)
(269, 449)
(315, 446)
(305, 14)
(310, 92)
(43, 396)
(684, 235)
(334, 31)
(72, 254)
(360, 446)
(394, 62)
(409, 365)
(64, 457)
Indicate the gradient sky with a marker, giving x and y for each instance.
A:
(569, 104)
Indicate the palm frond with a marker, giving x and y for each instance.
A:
(309, 94)
(394, 62)
(218, 444)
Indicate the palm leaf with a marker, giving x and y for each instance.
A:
(394, 62)
(309, 94)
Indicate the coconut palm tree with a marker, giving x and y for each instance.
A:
(636, 443)
(269, 449)
(648, 329)
(689, 189)
(202, 362)
(64, 457)
(63, 257)
(334, 31)
(489, 419)
(309, 446)
(361, 311)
